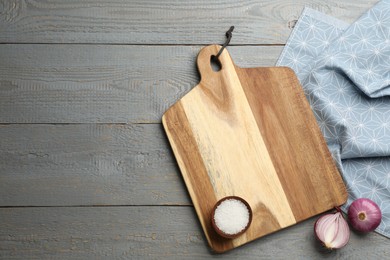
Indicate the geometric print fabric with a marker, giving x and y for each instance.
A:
(345, 72)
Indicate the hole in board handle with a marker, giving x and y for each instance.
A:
(215, 63)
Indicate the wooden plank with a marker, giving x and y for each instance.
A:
(160, 22)
(153, 232)
(52, 165)
(251, 133)
(106, 84)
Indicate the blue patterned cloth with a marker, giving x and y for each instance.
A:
(345, 72)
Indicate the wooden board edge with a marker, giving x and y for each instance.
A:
(337, 176)
(215, 242)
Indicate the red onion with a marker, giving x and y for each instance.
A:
(332, 230)
(364, 215)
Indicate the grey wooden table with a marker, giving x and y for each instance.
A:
(86, 171)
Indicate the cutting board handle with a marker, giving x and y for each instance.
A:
(215, 81)
(204, 60)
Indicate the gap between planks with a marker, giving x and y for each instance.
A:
(142, 44)
(98, 206)
(87, 123)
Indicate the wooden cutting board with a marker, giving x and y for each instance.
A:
(251, 133)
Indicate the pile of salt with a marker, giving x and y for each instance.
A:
(231, 216)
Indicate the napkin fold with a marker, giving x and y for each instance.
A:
(345, 72)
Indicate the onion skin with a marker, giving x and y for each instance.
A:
(364, 215)
(332, 230)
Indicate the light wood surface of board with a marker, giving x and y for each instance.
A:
(86, 170)
(251, 133)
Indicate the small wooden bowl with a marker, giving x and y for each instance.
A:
(220, 232)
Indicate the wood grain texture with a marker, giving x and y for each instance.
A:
(251, 133)
(199, 182)
(160, 22)
(106, 84)
(153, 233)
(293, 140)
(65, 165)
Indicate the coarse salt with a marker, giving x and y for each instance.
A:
(231, 216)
